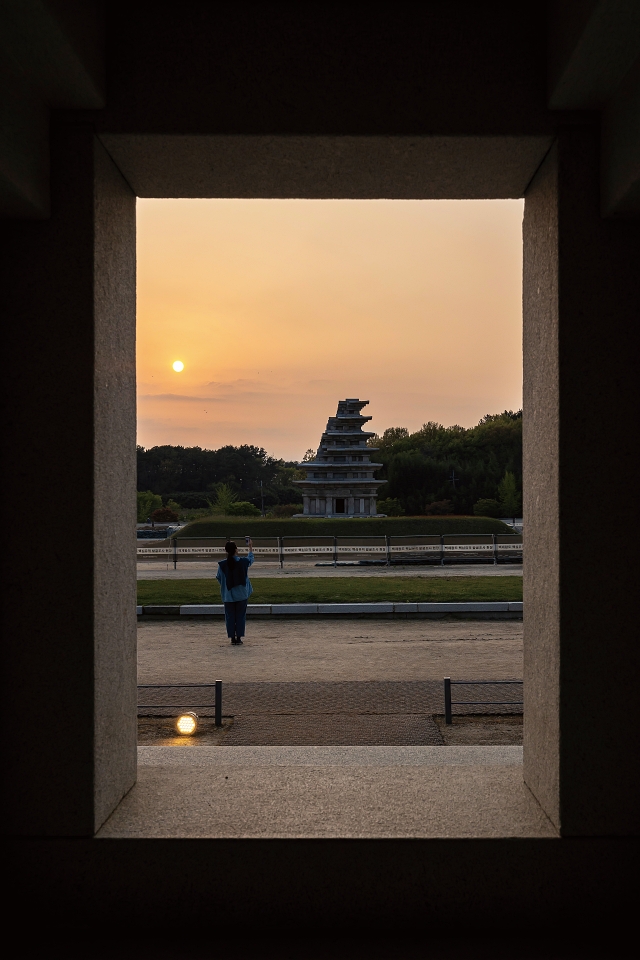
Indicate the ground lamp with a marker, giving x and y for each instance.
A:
(187, 723)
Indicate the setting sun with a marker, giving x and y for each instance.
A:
(178, 366)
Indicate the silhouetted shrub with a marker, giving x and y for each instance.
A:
(487, 508)
(391, 506)
(439, 508)
(285, 509)
(164, 515)
(242, 508)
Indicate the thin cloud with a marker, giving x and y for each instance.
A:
(180, 397)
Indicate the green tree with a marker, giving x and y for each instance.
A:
(242, 508)
(510, 500)
(439, 508)
(391, 436)
(286, 509)
(391, 506)
(224, 498)
(310, 454)
(147, 502)
(487, 508)
(463, 465)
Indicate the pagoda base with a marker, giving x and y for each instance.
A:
(338, 516)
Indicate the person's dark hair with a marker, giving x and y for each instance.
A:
(235, 573)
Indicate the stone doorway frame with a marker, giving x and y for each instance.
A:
(577, 268)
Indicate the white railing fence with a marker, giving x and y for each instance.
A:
(448, 548)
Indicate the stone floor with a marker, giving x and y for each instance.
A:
(377, 697)
(326, 651)
(394, 713)
(353, 791)
(329, 730)
(322, 683)
(477, 730)
(338, 729)
(204, 570)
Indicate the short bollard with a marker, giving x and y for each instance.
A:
(218, 721)
(447, 700)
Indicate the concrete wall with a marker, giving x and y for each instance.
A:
(69, 288)
(541, 464)
(114, 412)
(581, 302)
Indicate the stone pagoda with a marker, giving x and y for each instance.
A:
(340, 479)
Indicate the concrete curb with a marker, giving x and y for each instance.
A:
(335, 609)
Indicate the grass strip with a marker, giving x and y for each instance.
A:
(340, 590)
(239, 527)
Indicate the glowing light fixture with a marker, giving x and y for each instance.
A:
(178, 366)
(187, 723)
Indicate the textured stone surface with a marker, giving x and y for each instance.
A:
(475, 730)
(158, 732)
(69, 289)
(373, 713)
(360, 167)
(463, 607)
(355, 608)
(293, 608)
(114, 484)
(203, 570)
(469, 610)
(328, 797)
(380, 756)
(336, 729)
(179, 651)
(541, 464)
(383, 697)
(579, 652)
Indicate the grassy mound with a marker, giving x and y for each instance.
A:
(340, 590)
(238, 528)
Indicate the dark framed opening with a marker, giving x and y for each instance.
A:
(470, 225)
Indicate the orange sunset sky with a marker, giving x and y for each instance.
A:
(279, 308)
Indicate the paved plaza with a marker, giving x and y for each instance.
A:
(203, 570)
(172, 651)
(330, 729)
(316, 682)
(329, 792)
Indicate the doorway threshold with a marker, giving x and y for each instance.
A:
(329, 792)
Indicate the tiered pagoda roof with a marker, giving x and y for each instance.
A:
(340, 479)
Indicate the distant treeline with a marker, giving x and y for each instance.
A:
(435, 470)
(191, 475)
(462, 466)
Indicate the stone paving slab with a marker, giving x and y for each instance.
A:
(378, 609)
(284, 799)
(482, 730)
(332, 730)
(374, 697)
(350, 756)
(206, 570)
(297, 650)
